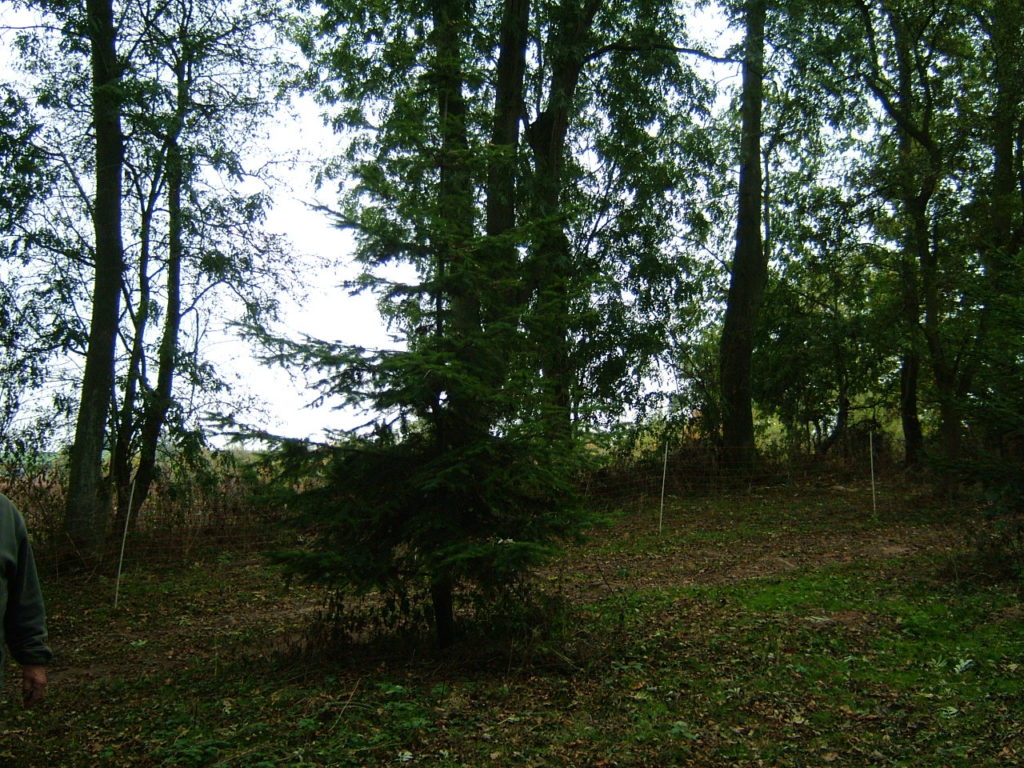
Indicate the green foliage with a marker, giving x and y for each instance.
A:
(533, 213)
(398, 515)
(24, 175)
(28, 341)
(698, 400)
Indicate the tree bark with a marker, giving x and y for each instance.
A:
(443, 601)
(502, 258)
(88, 499)
(920, 162)
(454, 231)
(913, 436)
(125, 427)
(1002, 230)
(1004, 235)
(918, 168)
(750, 267)
(552, 257)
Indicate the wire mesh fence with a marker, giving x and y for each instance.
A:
(179, 522)
(194, 520)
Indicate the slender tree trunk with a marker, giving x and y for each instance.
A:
(453, 241)
(1004, 233)
(443, 600)
(920, 163)
(1002, 230)
(840, 428)
(87, 497)
(943, 368)
(910, 372)
(913, 437)
(126, 423)
(750, 268)
(918, 170)
(160, 400)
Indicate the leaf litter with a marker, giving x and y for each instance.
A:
(784, 629)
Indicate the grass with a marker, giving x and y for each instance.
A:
(789, 628)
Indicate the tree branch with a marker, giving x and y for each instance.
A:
(875, 80)
(624, 47)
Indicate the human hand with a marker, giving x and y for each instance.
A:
(33, 684)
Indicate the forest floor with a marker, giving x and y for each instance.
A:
(796, 626)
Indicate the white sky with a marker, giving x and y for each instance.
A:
(327, 310)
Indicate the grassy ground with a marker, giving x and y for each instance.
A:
(786, 628)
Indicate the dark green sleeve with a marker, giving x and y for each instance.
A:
(24, 613)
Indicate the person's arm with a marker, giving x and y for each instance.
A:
(25, 619)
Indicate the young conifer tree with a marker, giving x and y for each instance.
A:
(463, 163)
(457, 487)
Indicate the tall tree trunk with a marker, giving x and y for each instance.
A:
(1002, 230)
(87, 498)
(750, 267)
(454, 234)
(1006, 229)
(918, 171)
(502, 258)
(943, 367)
(160, 400)
(901, 113)
(443, 602)
(920, 162)
(552, 257)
